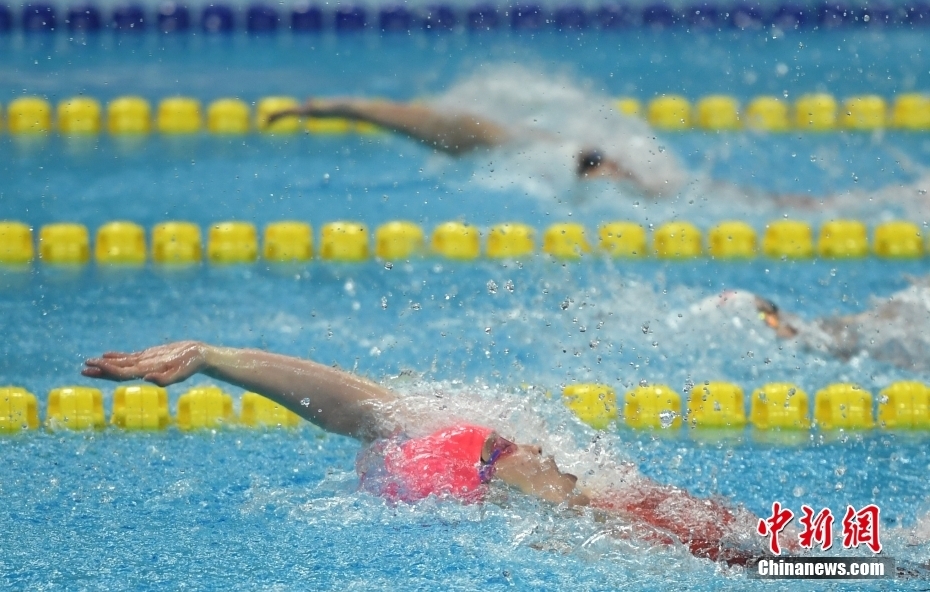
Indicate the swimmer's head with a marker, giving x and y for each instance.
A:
(748, 305)
(770, 315)
(768, 312)
(588, 162)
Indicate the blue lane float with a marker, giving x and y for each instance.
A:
(877, 14)
(38, 18)
(659, 16)
(350, 19)
(173, 18)
(747, 17)
(84, 17)
(527, 18)
(790, 16)
(217, 18)
(261, 18)
(572, 15)
(439, 18)
(483, 17)
(129, 18)
(6, 19)
(917, 14)
(306, 18)
(570, 18)
(832, 15)
(704, 16)
(616, 16)
(395, 19)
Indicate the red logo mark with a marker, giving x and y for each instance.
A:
(861, 528)
(817, 529)
(774, 524)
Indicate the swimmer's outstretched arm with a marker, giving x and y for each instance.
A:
(336, 401)
(452, 133)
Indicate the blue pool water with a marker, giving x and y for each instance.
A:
(239, 509)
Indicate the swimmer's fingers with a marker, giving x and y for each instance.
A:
(100, 368)
(165, 364)
(161, 373)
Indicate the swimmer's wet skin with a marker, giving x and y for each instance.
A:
(457, 461)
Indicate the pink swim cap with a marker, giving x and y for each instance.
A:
(446, 462)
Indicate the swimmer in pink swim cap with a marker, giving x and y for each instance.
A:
(458, 461)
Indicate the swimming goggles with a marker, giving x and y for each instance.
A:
(500, 447)
(770, 313)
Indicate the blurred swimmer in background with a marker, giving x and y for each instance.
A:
(892, 331)
(544, 127)
(404, 460)
(553, 137)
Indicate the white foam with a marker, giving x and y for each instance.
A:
(554, 118)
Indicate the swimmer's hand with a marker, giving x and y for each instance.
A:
(296, 112)
(315, 108)
(162, 364)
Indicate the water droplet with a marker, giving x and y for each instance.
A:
(492, 287)
(509, 286)
(667, 418)
(645, 328)
(415, 306)
(305, 402)
(388, 265)
(383, 303)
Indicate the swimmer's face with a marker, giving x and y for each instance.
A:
(526, 468)
(768, 312)
(496, 447)
(590, 164)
